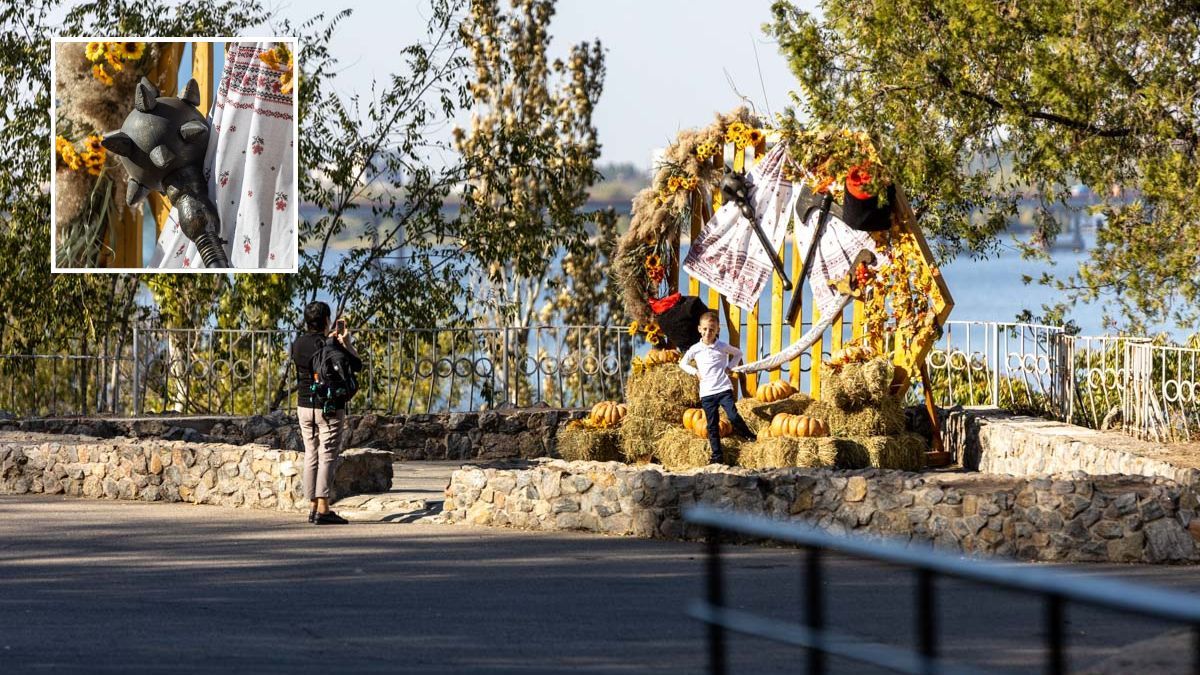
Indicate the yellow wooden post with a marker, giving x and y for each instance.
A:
(797, 289)
(202, 73)
(697, 223)
(776, 320)
(814, 369)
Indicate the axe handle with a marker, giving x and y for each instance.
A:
(771, 253)
(794, 306)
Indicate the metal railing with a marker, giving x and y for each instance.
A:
(1147, 390)
(1125, 383)
(1055, 590)
(241, 372)
(1011, 365)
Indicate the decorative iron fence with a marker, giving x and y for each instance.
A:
(212, 371)
(1147, 390)
(1011, 365)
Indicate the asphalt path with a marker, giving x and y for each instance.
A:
(100, 586)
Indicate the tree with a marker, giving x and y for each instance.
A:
(529, 155)
(383, 168)
(973, 101)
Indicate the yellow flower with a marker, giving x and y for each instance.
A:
(735, 129)
(672, 183)
(102, 75)
(280, 58)
(131, 50)
(94, 143)
(95, 169)
(691, 183)
(113, 62)
(94, 51)
(755, 137)
(633, 328)
(653, 260)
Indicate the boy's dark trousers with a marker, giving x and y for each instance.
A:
(712, 405)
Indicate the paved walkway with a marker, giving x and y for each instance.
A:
(134, 587)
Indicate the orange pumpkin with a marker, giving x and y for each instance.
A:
(607, 414)
(656, 356)
(851, 354)
(701, 430)
(695, 421)
(799, 426)
(693, 417)
(774, 391)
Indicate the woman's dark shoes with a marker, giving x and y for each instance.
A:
(312, 516)
(330, 518)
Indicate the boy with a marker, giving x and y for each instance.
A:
(713, 359)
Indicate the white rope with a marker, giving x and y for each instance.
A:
(796, 348)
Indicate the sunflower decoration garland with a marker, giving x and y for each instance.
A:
(688, 175)
(112, 55)
(92, 156)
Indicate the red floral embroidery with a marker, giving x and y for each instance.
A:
(224, 178)
(256, 144)
(280, 201)
(187, 262)
(272, 256)
(246, 244)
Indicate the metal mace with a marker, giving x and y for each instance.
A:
(162, 144)
(735, 188)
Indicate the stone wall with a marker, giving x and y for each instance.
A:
(507, 433)
(176, 471)
(1070, 517)
(994, 441)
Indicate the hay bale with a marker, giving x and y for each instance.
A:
(856, 385)
(886, 418)
(577, 442)
(662, 392)
(905, 451)
(638, 436)
(787, 451)
(679, 449)
(758, 415)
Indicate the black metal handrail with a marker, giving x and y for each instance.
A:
(1056, 588)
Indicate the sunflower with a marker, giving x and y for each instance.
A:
(633, 328)
(102, 75)
(755, 137)
(93, 158)
(653, 260)
(673, 183)
(131, 50)
(94, 51)
(94, 143)
(114, 62)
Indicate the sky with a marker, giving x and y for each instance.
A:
(667, 60)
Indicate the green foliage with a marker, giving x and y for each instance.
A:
(376, 156)
(529, 154)
(973, 101)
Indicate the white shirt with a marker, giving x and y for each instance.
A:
(711, 363)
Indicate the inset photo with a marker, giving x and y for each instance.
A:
(174, 155)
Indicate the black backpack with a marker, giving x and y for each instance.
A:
(334, 382)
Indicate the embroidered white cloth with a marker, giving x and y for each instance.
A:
(831, 262)
(728, 256)
(248, 167)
